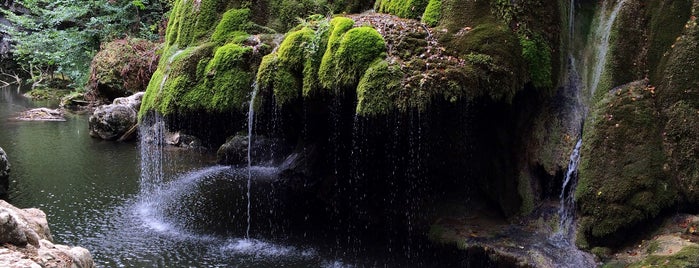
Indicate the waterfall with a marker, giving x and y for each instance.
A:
(251, 119)
(566, 210)
(600, 45)
(152, 140)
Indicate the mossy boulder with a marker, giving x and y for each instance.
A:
(678, 94)
(329, 55)
(123, 67)
(621, 178)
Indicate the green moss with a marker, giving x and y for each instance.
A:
(292, 51)
(679, 78)
(682, 148)
(328, 66)
(228, 57)
(358, 48)
(433, 13)
(233, 26)
(277, 77)
(621, 166)
(497, 55)
(410, 9)
(191, 21)
(667, 20)
(537, 54)
(687, 257)
(376, 92)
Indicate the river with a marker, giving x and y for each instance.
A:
(90, 191)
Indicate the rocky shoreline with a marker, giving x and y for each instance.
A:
(25, 238)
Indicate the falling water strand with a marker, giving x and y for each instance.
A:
(251, 119)
(571, 19)
(152, 131)
(567, 205)
(601, 39)
(167, 69)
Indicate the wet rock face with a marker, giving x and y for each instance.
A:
(622, 179)
(26, 242)
(116, 120)
(235, 150)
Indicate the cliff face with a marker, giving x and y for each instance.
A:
(447, 98)
(640, 139)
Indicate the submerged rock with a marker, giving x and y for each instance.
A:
(41, 114)
(26, 241)
(117, 120)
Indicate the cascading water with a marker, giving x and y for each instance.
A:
(251, 119)
(594, 68)
(152, 140)
(600, 44)
(566, 210)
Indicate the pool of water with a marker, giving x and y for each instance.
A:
(91, 192)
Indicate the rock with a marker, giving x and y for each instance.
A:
(22, 226)
(113, 121)
(123, 67)
(621, 167)
(4, 173)
(235, 150)
(26, 242)
(184, 140)
(41, 114)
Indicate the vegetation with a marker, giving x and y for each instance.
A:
(56, 39)
(433, 12)
(123, 67)
(409, 9)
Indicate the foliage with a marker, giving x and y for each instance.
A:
(433, 13)
(62, 36)
(537, 54)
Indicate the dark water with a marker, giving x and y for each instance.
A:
(91, 191)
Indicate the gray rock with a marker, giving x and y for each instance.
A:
(235, 150)
(111, 122)
(25, 241)
(4, 173)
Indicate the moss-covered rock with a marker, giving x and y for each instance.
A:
(410, 9)
(123, 67)
(685, 258)
(622, 182)
(681, 136)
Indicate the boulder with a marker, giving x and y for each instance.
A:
(26, 241)
(235, 150)
(114, 121)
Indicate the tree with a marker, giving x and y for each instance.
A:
(59, 37)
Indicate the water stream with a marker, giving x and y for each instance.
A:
(251, 121)
(595, 67)
(600, 44)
